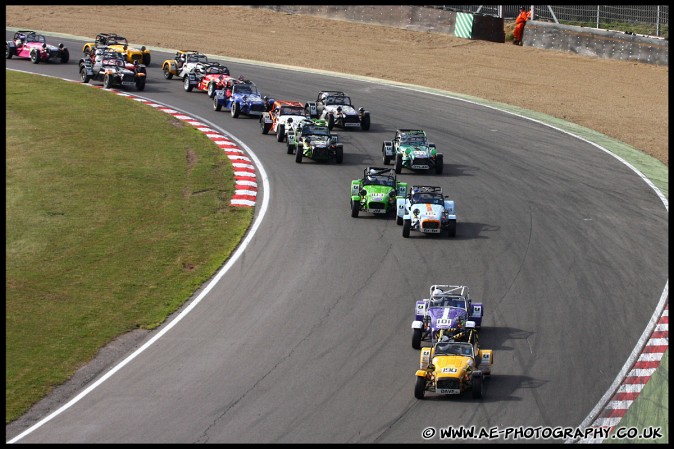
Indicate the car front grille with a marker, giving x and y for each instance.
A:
(421, 161)
(320, 153)
(257, 107)
(430, 224)
(452, 384)
(136, 57)
(376, 205)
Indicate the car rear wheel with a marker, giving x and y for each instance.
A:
(407, 225)
(386, 159)
(291, 148)
(355, 208)
(8, 52)
(416, 339)
(140, 83)
(264, 127)
(420, 388)
(146, 60)
(331, 121)
(167, 73)
(65, 56)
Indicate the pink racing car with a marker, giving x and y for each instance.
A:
(33, 46)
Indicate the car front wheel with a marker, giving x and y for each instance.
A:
(186, 85)
(416, 339)
(420, 388)
(84, 76)
(355, 208)
(407, 225)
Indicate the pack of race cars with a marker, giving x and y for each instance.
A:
(448, 320)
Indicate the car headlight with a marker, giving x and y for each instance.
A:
(415, 212)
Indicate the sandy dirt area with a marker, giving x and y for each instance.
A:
(624, 100)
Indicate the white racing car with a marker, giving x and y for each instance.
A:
(336, 109)
(426, 210)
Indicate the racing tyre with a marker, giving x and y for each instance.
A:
(186, 84)
(167, 73)
(399, 220)
(399, 163)
(146, 60)
(420, 388)
(86, 51)
(407, 225)
(451, 231)
(216, 104)
(8, 52)
(235, 109)
(386, 159)
(298, 156)
(35, 57)
(83, 75)
(355, 208)
(331, 122)
(416, 339)
(65, 56)
(339, 155)
(140, 83)
(280, 133)
(107, 82)
(291, 148)
(211, 90)
(438, 164)
(365, 123)
(477, 386)
(264, 127)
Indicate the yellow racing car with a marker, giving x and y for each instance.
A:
(452, 366)
(118, 43)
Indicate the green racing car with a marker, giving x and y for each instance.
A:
(376, 192)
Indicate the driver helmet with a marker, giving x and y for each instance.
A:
(371, 174)
(437, 292)
(445, 338)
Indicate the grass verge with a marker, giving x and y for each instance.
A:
(114, 217)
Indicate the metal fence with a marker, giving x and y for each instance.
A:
(651, 20)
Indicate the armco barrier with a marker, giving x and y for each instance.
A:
(596, 43)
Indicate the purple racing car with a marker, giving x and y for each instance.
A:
(448, 312)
